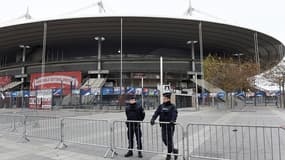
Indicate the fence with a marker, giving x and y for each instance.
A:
(238, 142)
(87, 131)
(198, 141)
(11, 124)
(151, 136)
(47, 127)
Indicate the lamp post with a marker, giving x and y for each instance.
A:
(100, 39)
(238, 55)
(192, 43)
(23, 47)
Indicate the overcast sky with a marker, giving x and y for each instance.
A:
(262, 15)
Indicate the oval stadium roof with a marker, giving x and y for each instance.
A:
(170, 32)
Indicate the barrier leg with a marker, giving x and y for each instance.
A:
(61, 144)
(13, 126)
(24, 138)
(111, 149)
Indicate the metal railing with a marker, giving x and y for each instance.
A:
(87, 131)
(197, 141)
(151, 137)
(237, 142)
(47, 127)
(11, 124)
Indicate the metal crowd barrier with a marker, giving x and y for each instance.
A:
(87, 131)
(198, 141)
(11, 124)
(151, 137)
(47, 127)
(235, 142)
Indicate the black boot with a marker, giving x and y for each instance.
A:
(168, 157)
(140, 154)
(129, 154)
(175, 151)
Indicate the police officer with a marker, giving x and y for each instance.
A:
(134, 112)
(167, 113)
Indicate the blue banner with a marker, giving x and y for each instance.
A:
(26, 93)
(85, 92)
(57, 92)
(131, 90)
(107, 91)
(156, 92)
(259, 94)
(221, 95)
(14, 94)
(240, 94)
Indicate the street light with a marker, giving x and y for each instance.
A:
(194, 70)
(24, 47)
(238, 55)
(100, 39)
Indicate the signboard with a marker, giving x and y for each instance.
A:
(151, 92)
(54, 80)
(131, 90)
(85, 92)
(57, 92)
(156, 92)
(4, 80)
(107, 91)
(138, 91)
(42, 100)
(145, 91)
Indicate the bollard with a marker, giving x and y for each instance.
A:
(61, 144)
(24, 138)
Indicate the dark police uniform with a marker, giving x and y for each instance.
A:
(167, 112)
(134, 112)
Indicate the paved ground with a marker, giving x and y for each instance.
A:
(79, 131)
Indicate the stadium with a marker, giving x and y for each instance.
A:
(83, 55)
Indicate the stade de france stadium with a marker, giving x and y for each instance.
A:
(71, 49)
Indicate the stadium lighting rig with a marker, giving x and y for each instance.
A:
(101, 7)
(190, 10)
(99, 4)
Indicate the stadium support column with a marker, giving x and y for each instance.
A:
(142, 94)
(256, 50)
(121, 62)
(44, 50)
(161, 79)
(201, 59)
(24, 47)
(283, 89)
(100, 40)
(194, 76)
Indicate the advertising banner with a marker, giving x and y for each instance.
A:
(107, 91)
(95, 91)
(85, 92)
(131, 90)
(55, 80)
(138, 91)
(42, 100)
(4, 80)
(57, 92)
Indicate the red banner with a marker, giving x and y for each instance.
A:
(55, 80)
(4, 80)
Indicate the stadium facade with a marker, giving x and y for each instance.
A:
(72, 45)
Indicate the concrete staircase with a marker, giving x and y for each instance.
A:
(10, 86)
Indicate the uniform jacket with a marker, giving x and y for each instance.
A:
(167, 112)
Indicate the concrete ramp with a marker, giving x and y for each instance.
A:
(10, 85)
(208, 86)
(94, 83)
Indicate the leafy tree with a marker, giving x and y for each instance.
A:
(228, 74)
